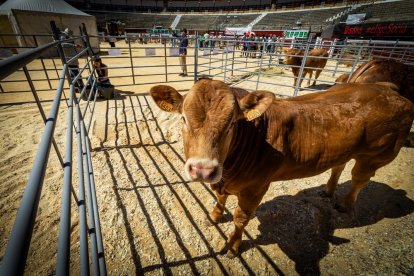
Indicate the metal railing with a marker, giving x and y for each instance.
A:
(14, 260)
(258, 67)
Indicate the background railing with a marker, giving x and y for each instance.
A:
(132, 64)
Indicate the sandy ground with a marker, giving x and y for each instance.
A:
(153, 219)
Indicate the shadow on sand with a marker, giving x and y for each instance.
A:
(303, 225)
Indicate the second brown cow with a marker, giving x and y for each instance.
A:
(317, 58)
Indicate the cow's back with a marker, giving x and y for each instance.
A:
(322, 130)
(317, 58)
(387, 71)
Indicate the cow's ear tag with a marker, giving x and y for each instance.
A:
(165, 106)
(253, 114)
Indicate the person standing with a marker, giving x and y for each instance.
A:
(182, 49)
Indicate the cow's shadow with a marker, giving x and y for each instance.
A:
(303, 225)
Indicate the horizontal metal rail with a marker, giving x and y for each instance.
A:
(15, 257)
(19, 241)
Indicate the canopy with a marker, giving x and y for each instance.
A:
(31, 17)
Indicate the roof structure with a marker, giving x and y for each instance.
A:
(52, 6)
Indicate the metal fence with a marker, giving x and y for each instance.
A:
(258, 66)
(14, 260)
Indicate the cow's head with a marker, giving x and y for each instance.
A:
(209, 112)
(290, 56)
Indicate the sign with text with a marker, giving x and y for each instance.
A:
(394, 30)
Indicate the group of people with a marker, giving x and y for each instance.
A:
(251, 44)
(70, 49)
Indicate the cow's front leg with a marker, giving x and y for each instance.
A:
(246, 206)
(217, 213)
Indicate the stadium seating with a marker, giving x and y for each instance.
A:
(314, 18)
(215, 21)
(387, 11)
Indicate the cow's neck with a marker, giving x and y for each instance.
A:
(250, 150)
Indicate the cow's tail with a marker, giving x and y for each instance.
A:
(360, 71)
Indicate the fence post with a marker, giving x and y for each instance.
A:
(88, 42)
(132, 62)
(43, 64)
(60, 49)
(196, 58)
(355, 63)
(165, 62)
(225, 63)
(302, 66)
(260, 66)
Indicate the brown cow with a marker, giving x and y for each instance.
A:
(385, 71)
(348, 61)
(317, 58)
(241, 142)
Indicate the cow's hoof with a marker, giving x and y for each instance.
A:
(230, 254)
(342, 208)
(209, 221)
(325, 194)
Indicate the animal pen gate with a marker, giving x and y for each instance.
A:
(259, 67)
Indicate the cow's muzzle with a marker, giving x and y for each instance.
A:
(205, 170)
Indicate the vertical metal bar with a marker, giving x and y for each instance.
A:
(19, 242)
(87, 40)
(222, 58)
(83, 240)
(43, 64)
(100, 248)
(232, 61)
(401, 60)
(225, 66)
(260, 68)
(63, 254)
(196, 58)
(132, 63)
(355, 63)
(302, 66)
(165, 62)
(54, 64)
(209, 62)
(270, 56)
(393, 48)
(59, 48)
(42, 113)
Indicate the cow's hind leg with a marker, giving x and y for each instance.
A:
(333, 180)
(362, 171)
(217, 213)
(310, 76)
(317, 73)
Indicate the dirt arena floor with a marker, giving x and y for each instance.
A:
(152, 218)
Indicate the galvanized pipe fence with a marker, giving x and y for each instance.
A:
(259, 66)
(226, 59)
(90, 236)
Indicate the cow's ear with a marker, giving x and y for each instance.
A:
(167, 98)
(255, 104)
